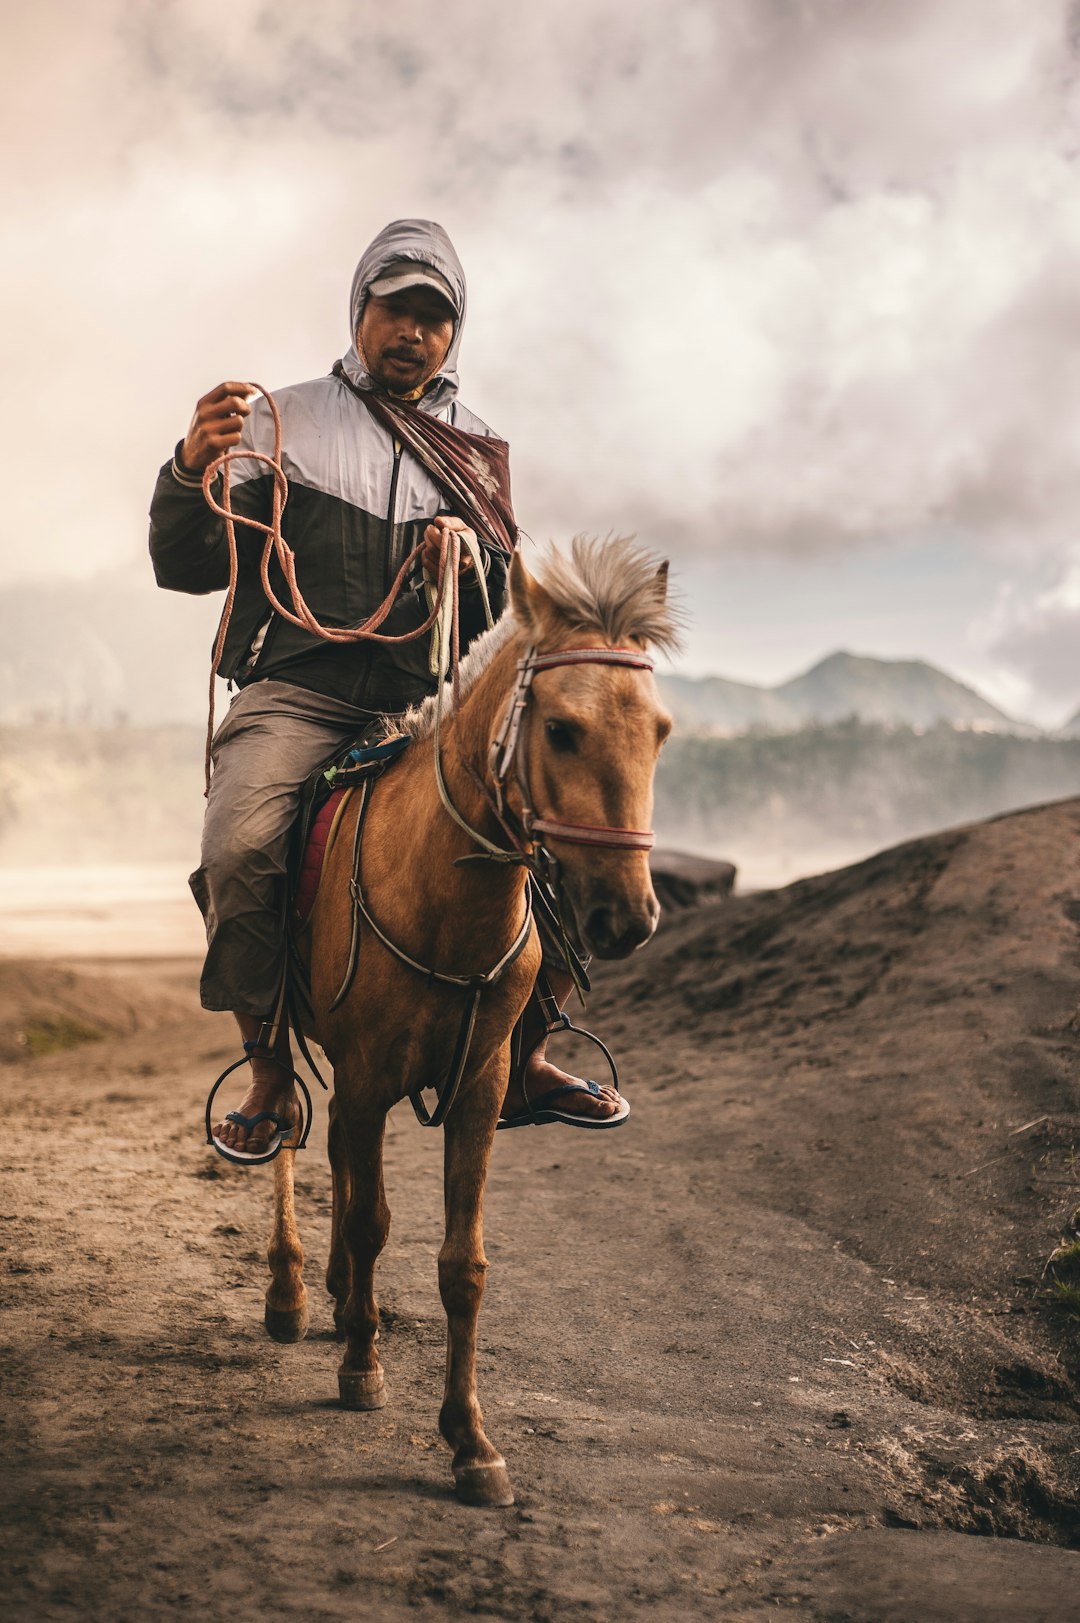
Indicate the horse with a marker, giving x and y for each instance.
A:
(545, 754)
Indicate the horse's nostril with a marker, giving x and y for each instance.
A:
(598, 928)
(614, 935)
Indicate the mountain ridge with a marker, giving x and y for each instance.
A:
(118, 649)
(842, 685)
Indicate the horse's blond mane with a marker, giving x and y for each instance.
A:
(605, 586)
(611, 586)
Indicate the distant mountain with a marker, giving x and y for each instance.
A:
(94, 652)
(902, 692)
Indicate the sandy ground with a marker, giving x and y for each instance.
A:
(778, 1345)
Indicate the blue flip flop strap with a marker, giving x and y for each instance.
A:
(280, 1122)
(545, 1100)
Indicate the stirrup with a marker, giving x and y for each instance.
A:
(562, 1022)
(306, 1115)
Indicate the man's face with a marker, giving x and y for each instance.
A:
(404, 338)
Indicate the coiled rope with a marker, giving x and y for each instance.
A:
(442, 621)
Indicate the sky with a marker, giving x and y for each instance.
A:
(788, 288)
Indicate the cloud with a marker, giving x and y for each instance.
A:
(1036, 635)
(781, 275)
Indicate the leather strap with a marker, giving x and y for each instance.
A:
(629, 657)
(620, 839)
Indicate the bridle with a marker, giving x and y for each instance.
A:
(508, 755)
(526, 849)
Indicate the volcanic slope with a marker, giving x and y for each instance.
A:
(782, 1341)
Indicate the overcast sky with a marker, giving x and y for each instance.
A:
(788, 287)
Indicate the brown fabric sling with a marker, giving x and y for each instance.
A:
(471, 470)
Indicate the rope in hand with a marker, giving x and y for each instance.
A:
(442, 621)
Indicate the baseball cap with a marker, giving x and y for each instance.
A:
(405, 273)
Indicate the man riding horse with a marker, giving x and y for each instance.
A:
(362, 494)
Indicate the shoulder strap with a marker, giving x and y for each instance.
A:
(471, 470)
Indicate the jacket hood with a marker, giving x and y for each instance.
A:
(428, 244)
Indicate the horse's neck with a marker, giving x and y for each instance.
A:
(469, 729)
(426, 840)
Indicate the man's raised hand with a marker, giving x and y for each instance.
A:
(216, 426)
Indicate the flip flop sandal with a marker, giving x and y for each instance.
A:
(252, 1157)
(284, 1130)
(541, 1111)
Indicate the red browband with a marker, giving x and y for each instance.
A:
(626, 839)
(591, 656)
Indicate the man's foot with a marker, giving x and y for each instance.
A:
(540, 1077)
(270, 1089)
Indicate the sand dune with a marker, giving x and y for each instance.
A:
(783, 1342)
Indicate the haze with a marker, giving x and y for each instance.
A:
(788, 289)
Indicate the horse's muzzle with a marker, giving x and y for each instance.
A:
(613, 931)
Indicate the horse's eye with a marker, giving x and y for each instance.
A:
(559, 736)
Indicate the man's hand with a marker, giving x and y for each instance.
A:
(445, 524)
(216, 426)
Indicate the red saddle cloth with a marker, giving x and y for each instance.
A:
(311, 868)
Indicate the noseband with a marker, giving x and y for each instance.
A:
(507, 753)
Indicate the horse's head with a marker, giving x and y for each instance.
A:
(592, 732)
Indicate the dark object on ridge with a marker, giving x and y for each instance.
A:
(683, 880)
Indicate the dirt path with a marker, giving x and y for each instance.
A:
(776, 1345)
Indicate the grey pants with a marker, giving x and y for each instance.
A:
(272, 739)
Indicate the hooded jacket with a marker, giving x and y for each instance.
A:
(358, 504)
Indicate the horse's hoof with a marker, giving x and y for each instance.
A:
(484, 1485)
(286, 1324)
(361, 1388)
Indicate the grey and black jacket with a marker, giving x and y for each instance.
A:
(357, 506)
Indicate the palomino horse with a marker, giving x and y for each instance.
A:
(578, 735)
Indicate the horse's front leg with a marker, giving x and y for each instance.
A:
(365, 1225)
(479, 1469)
(339, 1266)
(286, 1314)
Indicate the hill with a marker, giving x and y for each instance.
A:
(94, 651)
(788, 804)
(906, 692)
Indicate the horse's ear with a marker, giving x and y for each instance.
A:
(529, 600)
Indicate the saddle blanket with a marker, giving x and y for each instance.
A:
(320, 801)
(311, 864)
